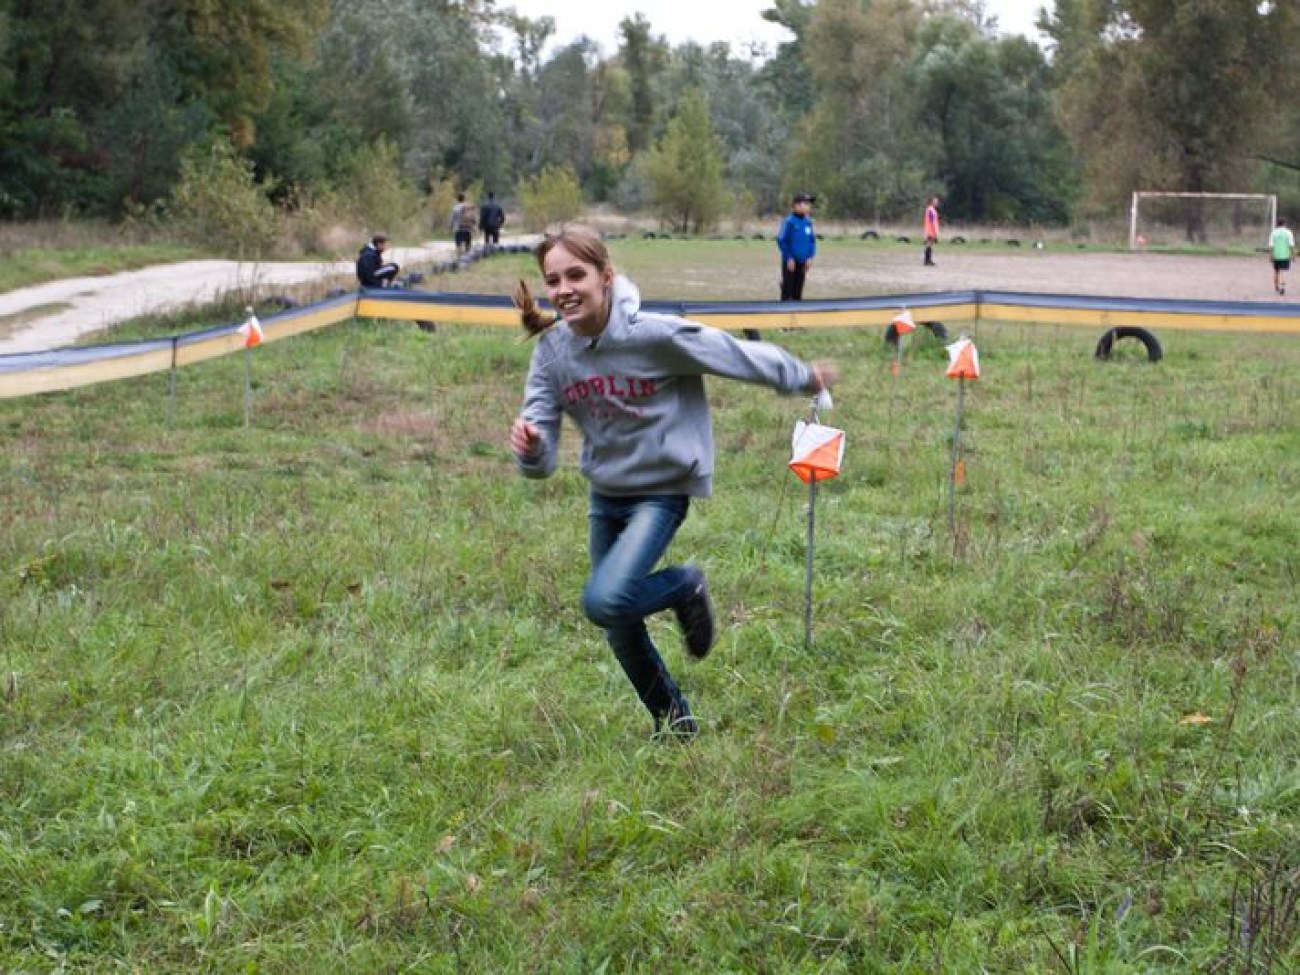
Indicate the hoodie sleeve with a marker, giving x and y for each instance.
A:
(702, 350)
(543, 409)
(783, 240)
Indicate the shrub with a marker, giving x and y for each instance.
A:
(554, 196)
(219, 203)
(380, 195)
(318, 220)
(373, 194)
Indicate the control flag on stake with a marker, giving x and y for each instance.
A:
(963, 364)
(251, 332)
(817, 453)
(963, 360)
(903, 325)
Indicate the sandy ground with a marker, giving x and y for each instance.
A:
(80, 306)
(1055, 272)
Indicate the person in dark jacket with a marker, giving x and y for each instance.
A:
(372, 270)
(798, 245)
(491, 218)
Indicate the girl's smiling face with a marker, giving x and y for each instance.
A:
(578, 290)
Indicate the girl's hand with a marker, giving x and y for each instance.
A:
(525, 439)
(825, 374)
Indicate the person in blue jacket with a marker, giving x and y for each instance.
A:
(798, 244)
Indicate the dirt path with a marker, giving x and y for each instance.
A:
(58, 313)
(51, 315)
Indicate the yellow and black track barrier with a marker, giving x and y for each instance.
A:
(27, 373)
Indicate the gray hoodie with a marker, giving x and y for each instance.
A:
(636, 392)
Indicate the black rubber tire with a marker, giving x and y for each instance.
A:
(870, 235)
(1149, 341)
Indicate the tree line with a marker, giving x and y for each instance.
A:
(119, 108)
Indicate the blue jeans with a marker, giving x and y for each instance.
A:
(628, 537)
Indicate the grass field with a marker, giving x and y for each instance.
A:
(316, 695)
(46, 250)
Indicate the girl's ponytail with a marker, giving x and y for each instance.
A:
(534, 322)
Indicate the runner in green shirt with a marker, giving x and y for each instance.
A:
(1282, 245)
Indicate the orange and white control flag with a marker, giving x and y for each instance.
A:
(817, 451)
(963, 360)
(903, 323)
(251, 330)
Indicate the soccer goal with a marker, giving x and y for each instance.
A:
(1173, 220)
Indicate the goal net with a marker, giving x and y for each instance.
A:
(1193, 220)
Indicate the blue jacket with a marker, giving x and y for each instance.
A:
(796, 238)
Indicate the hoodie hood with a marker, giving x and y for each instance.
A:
(626, 301)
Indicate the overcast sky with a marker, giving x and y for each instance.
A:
(736, 21)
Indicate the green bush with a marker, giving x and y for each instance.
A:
(372, 195)
(218, 202)
(442, 197)
(554, 196)
(379, 196)
(318, 220)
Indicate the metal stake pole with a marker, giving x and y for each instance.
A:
(810, 547)
(248, 387)
(808, 566)
(896, 370)
(952, 470)
(171, 388)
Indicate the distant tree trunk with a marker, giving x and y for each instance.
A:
(1194, 221)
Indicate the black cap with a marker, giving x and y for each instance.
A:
(804, 198)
